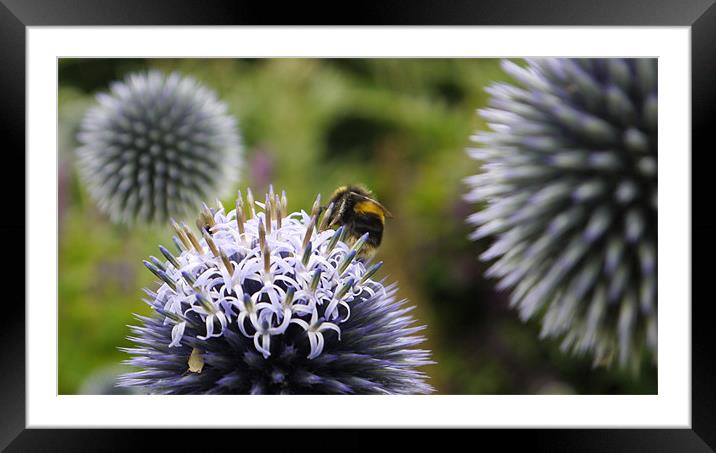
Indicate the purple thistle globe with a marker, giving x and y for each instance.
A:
(272, 303)
(155, 146)
(569, 189)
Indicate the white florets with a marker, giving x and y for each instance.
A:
(278, 271)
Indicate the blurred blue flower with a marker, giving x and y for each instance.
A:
(569, 189)
(154, 146)
(272, 304)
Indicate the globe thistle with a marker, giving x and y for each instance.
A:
(266, 302)
(569, 185)
(155, 146)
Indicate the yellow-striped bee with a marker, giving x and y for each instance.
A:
(358, 212)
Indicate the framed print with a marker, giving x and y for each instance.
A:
(382, 226)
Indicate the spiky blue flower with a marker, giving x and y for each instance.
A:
(569, 187)
(271, 305)
(155, 146)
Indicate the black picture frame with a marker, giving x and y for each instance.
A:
(16, 15)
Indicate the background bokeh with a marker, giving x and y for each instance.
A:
(400, 126)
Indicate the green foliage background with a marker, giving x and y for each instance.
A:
(399, 126)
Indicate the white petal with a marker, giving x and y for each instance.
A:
(222, 319)
(301, 323)
(259, 346)
(284, 324)
(314, 344)
(330, 325)
(240, 320)
(209, 328)
(329, 313)
(177, 334)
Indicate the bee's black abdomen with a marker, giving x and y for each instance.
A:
(367, 223)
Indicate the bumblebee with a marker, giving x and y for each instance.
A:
(358, 212)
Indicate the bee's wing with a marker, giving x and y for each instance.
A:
(385, 211)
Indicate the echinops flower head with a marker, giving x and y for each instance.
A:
(569, 189)
(266, 302)
(155, 146)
